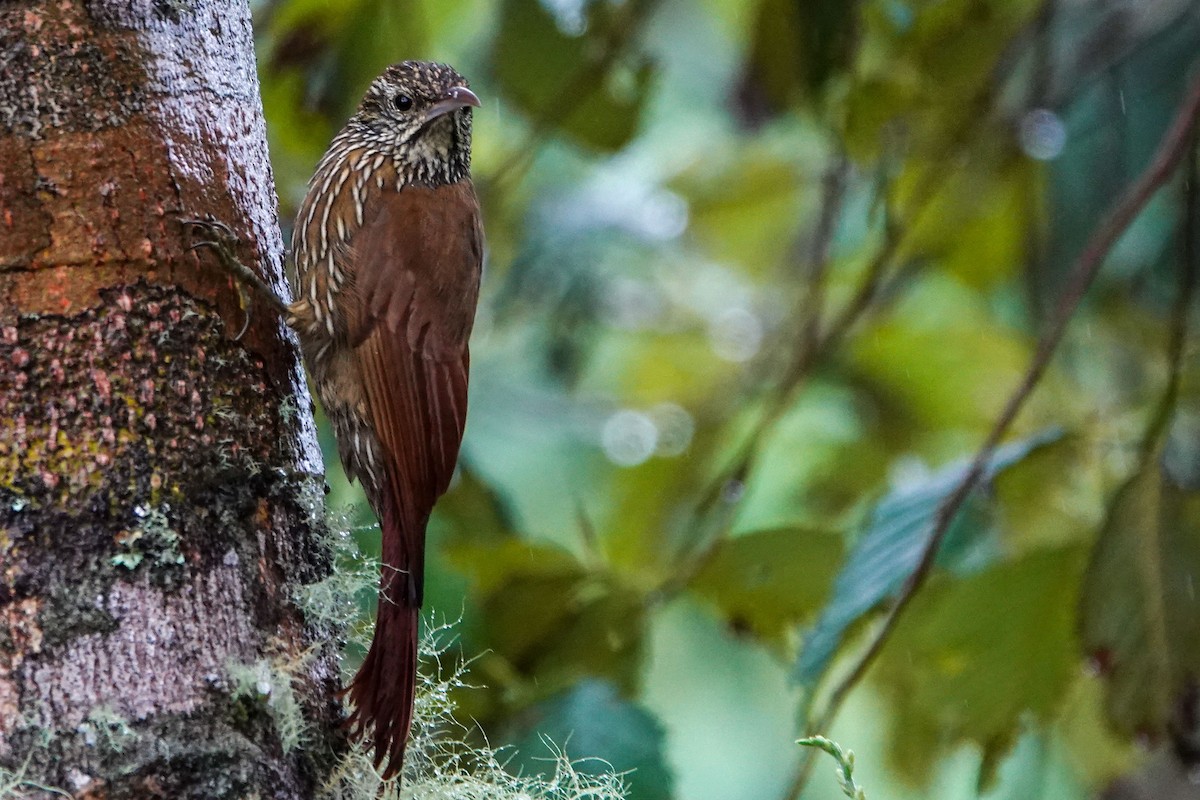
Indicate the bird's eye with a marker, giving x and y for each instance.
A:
(402, 102)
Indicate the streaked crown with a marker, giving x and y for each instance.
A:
(419, 112)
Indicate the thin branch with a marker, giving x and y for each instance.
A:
(1177, 338)
(833, 193)
(813, 348)
(1171, 150)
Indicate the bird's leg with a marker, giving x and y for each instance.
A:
(222, 241)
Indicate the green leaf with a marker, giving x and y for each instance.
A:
(897, 532)
(971, 657)
(977, 226)
(844, 459)
(548, 620)
(591, 723)
(1139, 609)
(565, 82)
(942, 358)
(492, 563)
(745, 205)
(770, 580)
(925, 67)
(799, 47)
(473, 509)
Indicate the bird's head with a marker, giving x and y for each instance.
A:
(419, 112)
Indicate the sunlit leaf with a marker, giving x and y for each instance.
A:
(746, 210)
(1140, 611)
(978, 224)
(1098, 753)
(769, 580)
(972, 656)
(942, 359)
(897, 532)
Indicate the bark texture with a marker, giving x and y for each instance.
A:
(159, 483)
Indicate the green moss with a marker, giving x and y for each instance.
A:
(15, 786)
(108, 730)
(269, 683)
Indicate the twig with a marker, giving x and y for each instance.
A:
(1177, 339)
(833, 193)
(1171, 150)
(814, 347)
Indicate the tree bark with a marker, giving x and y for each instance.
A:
(159, 483)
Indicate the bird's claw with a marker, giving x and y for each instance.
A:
(224, 243)
(216, 228)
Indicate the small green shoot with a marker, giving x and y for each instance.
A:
(845, 760)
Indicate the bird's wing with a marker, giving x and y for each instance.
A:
(415, 267)
(417, 263)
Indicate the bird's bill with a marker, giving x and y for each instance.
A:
(456, 98)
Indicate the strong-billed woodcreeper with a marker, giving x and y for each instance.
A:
(388, 249)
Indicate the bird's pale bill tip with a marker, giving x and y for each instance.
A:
(463, 95)
(454, 99)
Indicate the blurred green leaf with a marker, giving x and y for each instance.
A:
(637, 528)
(799, 46)
(342, 47)
(568, 81)
(843, 458)
(939, 359)
(492, 563)
(745, 209)
(472, 510)
(769, 580)
(593, 725)
(550, 619)
(977, 225)
(1139, 609)
(1054, 497)
(971, 657)
(924, 68)
(897, 532)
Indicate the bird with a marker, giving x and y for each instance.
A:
(388, 253)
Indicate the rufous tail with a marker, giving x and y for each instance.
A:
(382, 691)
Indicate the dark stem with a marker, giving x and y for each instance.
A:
(1177, 339)
(833, 192)
(813, 347)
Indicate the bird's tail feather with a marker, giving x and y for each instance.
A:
(382, 691)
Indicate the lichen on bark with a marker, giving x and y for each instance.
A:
(138, 491)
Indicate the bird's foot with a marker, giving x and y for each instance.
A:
(223, 242)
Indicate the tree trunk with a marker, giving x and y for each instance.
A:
(159, 483)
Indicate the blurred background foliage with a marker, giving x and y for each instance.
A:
(761, 276)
